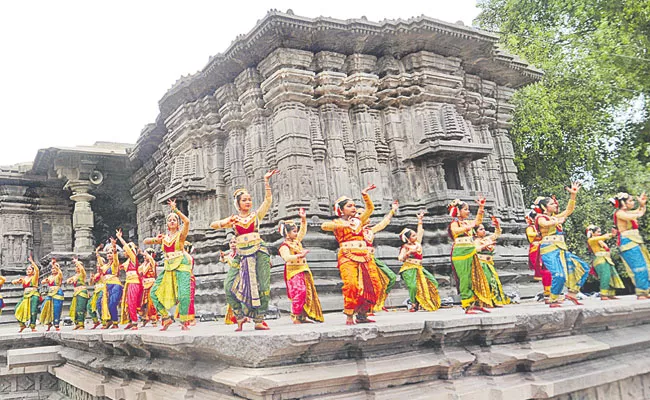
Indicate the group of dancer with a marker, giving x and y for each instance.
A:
(142, 298)
(367, 281)
(556, 267)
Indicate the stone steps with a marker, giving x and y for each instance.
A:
(519, 351)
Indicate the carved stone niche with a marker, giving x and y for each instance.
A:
(16, 247)
(453, 142)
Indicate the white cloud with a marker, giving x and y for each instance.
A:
(76, 72)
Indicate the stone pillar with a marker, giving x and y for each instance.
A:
(82, 217)
(231, 120)
(362, 85)
(288, 90)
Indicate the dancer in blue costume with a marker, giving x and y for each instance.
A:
(566, 268)
(633, 251)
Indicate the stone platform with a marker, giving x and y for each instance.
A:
(597, 351)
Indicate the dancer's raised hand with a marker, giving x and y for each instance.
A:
(369, 188)
(480, 200)
(575, 186)
(269, 174)
(394, 206)
(302, 213)
(172, 204)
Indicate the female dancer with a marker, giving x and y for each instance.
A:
(633, 252)
(473, 286)
(233, 273)
(359, 273)
(79, 296)
(249, 293)
(132, 294)
(422, 285)
(297, 276)
(27, 308)
(149, 274)
(110, 297)
(99, 291)
(485, 247)
(387, 277)
(565, 267)
(534, 258)
(173, 286)
(603, 264)
(53, 303)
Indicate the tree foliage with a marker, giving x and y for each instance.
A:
(588, 118)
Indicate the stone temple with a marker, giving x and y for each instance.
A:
(419, 107)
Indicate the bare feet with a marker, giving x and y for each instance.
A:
(349, 320)
(574, 300)
(166, 323)
(261, 327)
(365, 320)
(555, 305)
(240, 324)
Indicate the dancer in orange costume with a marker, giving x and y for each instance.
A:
(297, 275)
(359, 273)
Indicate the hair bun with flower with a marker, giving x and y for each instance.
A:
(337, 205)
(590, 230)
(617, 200)
(403, 234)
(453, 207)
(283, 225)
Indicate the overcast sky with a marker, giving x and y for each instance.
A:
(77, 72)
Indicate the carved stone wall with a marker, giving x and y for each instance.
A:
(334, 110)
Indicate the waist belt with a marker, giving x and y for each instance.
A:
(413, 261)
(553, 239)
(464, 240)
(131, 274)
(78, 289)
(296, 263)
(630, 233)
(354, 244)
(30, 289)
(248, 239)
(173, 254)
(601, 254)
(485, 257)
(100, 286)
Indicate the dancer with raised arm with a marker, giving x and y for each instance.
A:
(79, 296)
(534, 258)
(27, 309)
(132, 295)
(422, 285)
(485, 246)
(149, 274)
(387, 277)
(603, 263)
(356, 263)
(109, 298)
(249, 292)
(297, 275)
(94, 308)
(473, 286)
(53, 303)
(633, 251)
(565, 267)
(173, 286)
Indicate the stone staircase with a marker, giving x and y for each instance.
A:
(598, 351)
